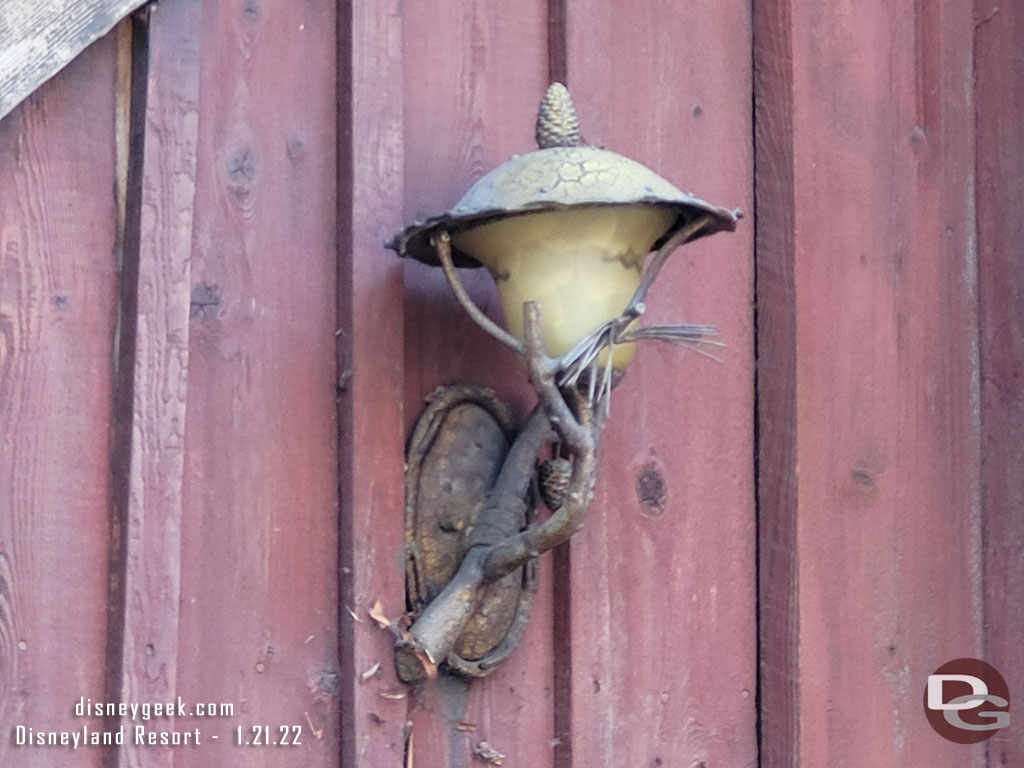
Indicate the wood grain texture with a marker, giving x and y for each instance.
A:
(370, 375)
(277, 355)
(662, 636)
(999, 101)
(58, 299)
(774, 189)
(160, 339)
(466, 110)
(885, 448)
(259, 581)
(37, 40)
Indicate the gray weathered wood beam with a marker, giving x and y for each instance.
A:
(38, 39)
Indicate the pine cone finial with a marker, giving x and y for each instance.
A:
(553, 477)
(557, 125)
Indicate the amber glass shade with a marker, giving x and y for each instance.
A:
(581, 265)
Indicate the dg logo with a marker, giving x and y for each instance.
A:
(967, 701)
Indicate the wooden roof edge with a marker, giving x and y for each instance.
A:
(37, 40)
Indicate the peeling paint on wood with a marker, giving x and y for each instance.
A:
(159, 332)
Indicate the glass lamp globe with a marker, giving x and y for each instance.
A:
(581, 265)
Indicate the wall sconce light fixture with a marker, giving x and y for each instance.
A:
(565, 231)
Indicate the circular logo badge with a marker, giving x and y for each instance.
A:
(967, 701)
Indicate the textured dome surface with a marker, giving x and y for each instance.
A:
(566, 176)
(559, 177)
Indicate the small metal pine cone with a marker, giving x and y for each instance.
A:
(557, 125)
(553, 477)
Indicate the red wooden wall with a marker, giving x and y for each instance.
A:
(889, 539)
(208, 366)
(169, 476)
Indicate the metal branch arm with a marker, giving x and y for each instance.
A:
(580, 433)
(442, 242)
(493, 554)
(636, 306)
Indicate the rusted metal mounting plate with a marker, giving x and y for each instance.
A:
(455, 453)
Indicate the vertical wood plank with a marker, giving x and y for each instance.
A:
(882, 431)
(159, 336)
(231, 591)
(467, 111)
(259, 502)
(370, 163)
(999, 100)
(662, 637)
(774, 189)
(58, 308)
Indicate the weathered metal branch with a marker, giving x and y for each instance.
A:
(579, 432)
(495, 545)
(442, 242)
(636, 306)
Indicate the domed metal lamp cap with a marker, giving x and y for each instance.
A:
(562, 173)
